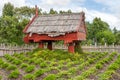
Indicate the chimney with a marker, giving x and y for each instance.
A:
(36, 10)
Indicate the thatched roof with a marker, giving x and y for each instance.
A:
(55, 25)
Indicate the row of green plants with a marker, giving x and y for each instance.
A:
(110, 70)
(72, 70)
(95, 67)
(40, 62)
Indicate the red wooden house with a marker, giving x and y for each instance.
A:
(49, 28)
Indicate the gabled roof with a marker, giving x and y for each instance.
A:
(57, 24)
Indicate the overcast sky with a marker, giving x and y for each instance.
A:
(107, 10)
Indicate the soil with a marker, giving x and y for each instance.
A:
(116, 76)
(54, 71)
(42, 76)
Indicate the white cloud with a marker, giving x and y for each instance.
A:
(111, 19)
(56, 2)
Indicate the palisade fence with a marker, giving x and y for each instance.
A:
(93, 48)
(11, 49)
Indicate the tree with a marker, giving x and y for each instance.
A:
(106, 37)
(62, 12)
(96, 28)
(8, 10)
(25, 12)
(52, 11)
(117, 36)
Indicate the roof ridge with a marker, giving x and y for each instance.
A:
(60, 14)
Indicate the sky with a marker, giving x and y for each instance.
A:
(107, 10)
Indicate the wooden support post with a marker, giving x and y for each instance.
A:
(78, 47)
(49, 46)
(71, 47)
(41, 45)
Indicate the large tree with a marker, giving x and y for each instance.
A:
(8, 10)
(97, 31)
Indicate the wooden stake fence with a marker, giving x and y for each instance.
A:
(11, 49)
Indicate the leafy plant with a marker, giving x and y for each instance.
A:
(4, 65)
(30, 68)
(16, 61)
(29, 77)
(1, 61)
(0, 77)
(113, 66)
(50, 77)
(39, 73)
(14, 74)
(43, 64)
(72, 70)
(11, 67)
(23, 65)
(98, 66)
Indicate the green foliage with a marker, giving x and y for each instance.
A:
(99, 66)
(14, 74)
(1, 61)
(8, 9)
(52, 11)
(113, 66)
(50, 77)
(11, 67)
(43, 64)
(16, 62)
(72, 70)
(99, 32)
(30, 68)
(39, 72)
(4, 65)
(23, 65)
(106, 75)
(29, 77)
(106, 37)
(0, 77)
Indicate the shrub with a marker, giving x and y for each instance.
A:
(16, 62)
(31, 61)
(29, 77)
(39, 72)
(72, 70)
(0, 77)
(4, 65)
(30, 68)
(91, 61)
(23, 65)
(99, 66)
(38, 61)
(53, 64)
(11, 67)
(106, 75)
(14, 74)
(113, 66)
(50, 77)
(43, 64)
(1, 61)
